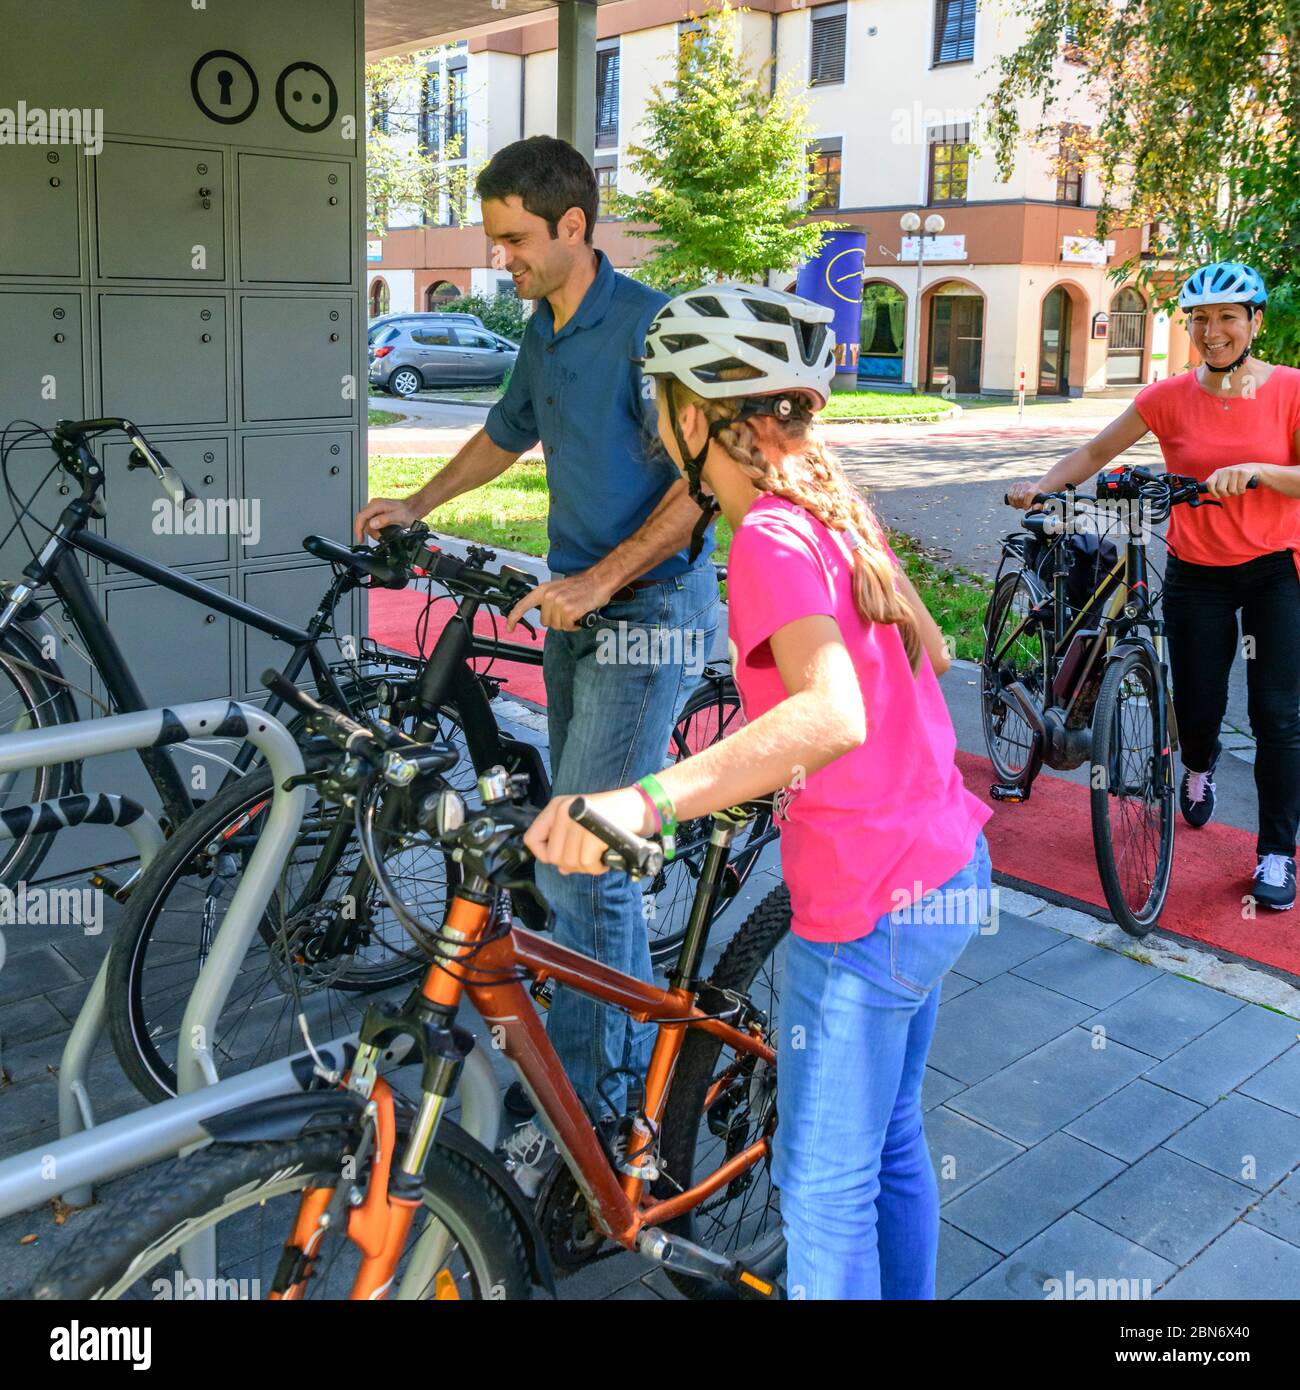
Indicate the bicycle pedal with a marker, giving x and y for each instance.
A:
(1003, 791)
(104, 884)
(688, 1258)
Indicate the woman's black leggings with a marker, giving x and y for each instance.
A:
(1201, 603)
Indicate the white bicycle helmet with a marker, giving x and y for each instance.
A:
(786, 342)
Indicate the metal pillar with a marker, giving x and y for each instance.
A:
(575, 77)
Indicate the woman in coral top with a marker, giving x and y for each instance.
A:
(881, 844)
(1232, 419)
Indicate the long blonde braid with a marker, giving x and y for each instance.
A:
(810, 476)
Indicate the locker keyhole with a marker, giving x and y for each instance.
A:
(226, 80)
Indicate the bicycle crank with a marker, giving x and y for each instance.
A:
(686, 1257)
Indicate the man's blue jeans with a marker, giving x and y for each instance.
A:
(859, 1200)
(612, 695)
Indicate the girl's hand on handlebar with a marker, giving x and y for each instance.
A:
(556, 838)
(384, 511)
(1231, 481)
(1021, 495)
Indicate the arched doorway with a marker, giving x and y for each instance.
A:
(955, 349)
(1054, 343)
(439, 293)
(378, 296)
(884, 333)
(1126, 337)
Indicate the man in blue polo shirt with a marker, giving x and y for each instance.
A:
(619, 529)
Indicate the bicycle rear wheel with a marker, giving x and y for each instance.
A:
(1132, 791)
(246, 1196)
(712, 713)
(721, 1103)
(1007, 736)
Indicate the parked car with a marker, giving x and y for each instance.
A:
(406, 358)
(382, 321)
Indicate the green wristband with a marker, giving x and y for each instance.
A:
(667, 812)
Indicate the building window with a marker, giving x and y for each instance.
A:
(884, 333)
(826, 63)
(606, 185)
(428, 131)
(378, 296)
(824, 165)
(949, 164)
(456, 107)
(1069, 168)
(607, 94)
(954, 31)
(1070, 49)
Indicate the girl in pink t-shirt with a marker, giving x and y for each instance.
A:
(835, 658)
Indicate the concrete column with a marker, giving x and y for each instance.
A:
(575, 77)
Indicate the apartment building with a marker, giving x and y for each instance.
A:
(1016, 285)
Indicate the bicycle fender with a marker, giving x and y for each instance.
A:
(451, 1136)
(286, 1117)
(1171, 719)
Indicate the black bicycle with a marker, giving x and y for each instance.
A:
(1074, 672)
(331, 933)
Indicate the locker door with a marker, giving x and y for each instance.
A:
(38, 212)
(178, 649)
(161, 213)
(295, 220)
(163, 358)
(297, 353)
(41, 377)
(292, 594)
(302, 484)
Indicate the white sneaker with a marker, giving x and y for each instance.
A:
(528, 1155)
(1274, 879)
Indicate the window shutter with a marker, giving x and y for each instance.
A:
(954, 30)
(827, 49)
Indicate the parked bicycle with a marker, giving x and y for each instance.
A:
(317, 1194)
(1074, 673)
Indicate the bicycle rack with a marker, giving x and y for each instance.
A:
(88, 1153)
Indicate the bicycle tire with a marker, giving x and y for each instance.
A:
(992, 706)
(47, 703)
(1135, 921)
(754, 945)
(717, 698)
(140, 1233)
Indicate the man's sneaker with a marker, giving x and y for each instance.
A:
(1196, 797)
(528, 1155)
(518, 1102)
(1274, 880)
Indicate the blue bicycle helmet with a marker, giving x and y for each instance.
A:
(1224, 282)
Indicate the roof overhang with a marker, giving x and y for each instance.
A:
(405, 26)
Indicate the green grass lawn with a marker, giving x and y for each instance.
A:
(511, 511)
(850, 404)
(383, 417)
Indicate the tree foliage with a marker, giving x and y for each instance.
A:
(1199, 131)
(725, 161)
(401, 170)
(502, 313)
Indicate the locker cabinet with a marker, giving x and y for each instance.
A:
(160, 213)
(41, 371)
(304, 485)
(141, 516)
(177, 649)
(297, 358)
(38, 213)
(295, 219)
(292, 594)
(163, 358)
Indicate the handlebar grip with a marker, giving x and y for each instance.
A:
(589, 620)
(276, 682)
(68, 429)
(637, 858)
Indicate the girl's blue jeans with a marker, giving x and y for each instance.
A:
(859, 1199)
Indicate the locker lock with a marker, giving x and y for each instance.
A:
(56, 182)
(208, 480)
(58, 337)
(64, 489)
(334, 337)
(206, 195)
(205, 337)
(210, 618)
(334, 468)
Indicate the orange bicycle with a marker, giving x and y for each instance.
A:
(348, 1189)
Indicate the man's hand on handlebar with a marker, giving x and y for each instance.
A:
(384, 511)
(555, 838)
(563, 602)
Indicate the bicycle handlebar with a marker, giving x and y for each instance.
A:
(636, 857)
(78, 433)
(1179, 487)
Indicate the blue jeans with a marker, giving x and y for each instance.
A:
(859, 1200)
(612, 696)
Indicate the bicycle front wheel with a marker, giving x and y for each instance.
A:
(1132, 790)
(243, 1199)
(1013, 651)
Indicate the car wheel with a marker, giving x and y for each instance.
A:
(404, 382)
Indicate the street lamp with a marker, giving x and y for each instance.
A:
(910, 222)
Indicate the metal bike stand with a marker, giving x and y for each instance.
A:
(65, 813)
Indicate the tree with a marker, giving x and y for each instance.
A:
(502, 313)
(1199, 131)
(405, 160)
(726, 168)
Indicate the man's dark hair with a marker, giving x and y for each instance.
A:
(549, 175)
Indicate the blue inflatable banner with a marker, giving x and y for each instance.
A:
(834, 278)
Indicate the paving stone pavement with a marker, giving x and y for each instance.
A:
(1090, 1116)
